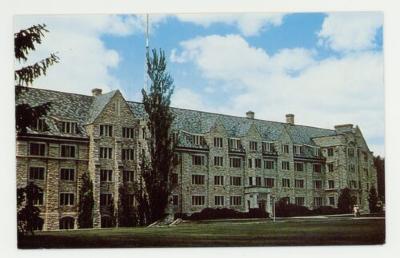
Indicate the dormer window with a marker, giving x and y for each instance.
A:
(268, 147)
(198, 140)
(253, 145)
(39, 125)
(234, 143)
(317, 152)
(68, 127)
(298, 149)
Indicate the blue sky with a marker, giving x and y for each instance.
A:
(326, 68)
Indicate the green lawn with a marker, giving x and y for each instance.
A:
(219, 233)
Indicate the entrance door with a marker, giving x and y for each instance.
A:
(262, 205)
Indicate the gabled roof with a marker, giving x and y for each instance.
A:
(85, 109)
(98, 104)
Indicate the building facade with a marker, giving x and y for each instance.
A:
(224, 161)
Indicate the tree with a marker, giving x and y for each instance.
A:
(126, 215)
(158, 166)
(379, 164)
(86, 202)
(373, 200)
(24, 42)
(28, 214)
(346, 201)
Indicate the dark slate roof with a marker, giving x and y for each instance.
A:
(84, 110)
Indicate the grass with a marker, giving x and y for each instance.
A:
(219, 233)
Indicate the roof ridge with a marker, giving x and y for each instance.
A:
(54, 91)
(220, 114)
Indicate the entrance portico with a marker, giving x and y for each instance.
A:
(258, 197)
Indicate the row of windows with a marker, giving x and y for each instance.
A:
(127, 132)
(199, 200)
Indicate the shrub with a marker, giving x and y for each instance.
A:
(325, 210)
(224, 213)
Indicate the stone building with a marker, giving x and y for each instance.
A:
(224, 161)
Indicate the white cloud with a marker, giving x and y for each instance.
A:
(186, 98)
(85, 61)
(350, 31)
(248, 24)
(321, 92)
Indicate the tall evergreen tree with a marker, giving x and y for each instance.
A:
(379, 164)
(86, 202)
(28, 214)
(373, 200)
(157, 167)
(346, 201)
(24, 42)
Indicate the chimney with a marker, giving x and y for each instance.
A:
(96, 92)
(250, 114)
(290, 119)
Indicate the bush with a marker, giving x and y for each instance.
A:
(291, 210)
(224, 213)
(325, 210)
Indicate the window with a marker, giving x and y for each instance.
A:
(105, 175)
(331, 200)
(198, 179)
(317, 201)
(40, 125)
(285, 182)
(67, 174)
(331, 184)
(197, 160)
(144, 132)
(106, 130)
(218, 161)
(317, 184)
(317, 152)
(218, 142)
(299, 183)
(250, 163)
(365, 154)
(330, 152)
(285, 148)
(105, 153)
(68, 151)
(299, 201)
(128, 176)
(219, 200)
(258, 181)
(106, 199)
(198, 200)
(37, 149)
(235, 162)
(352, 168)
(257, 163)
(285, 165)
(236, 180)
(66, 199)
(128, 132)
(268, 164)
(174, 178)
(353, 184)
(269, 182)
(330, 167)
(234, 144)
(286, 200)
(68, 127)
(317, 168)
(297, 149)
(39, 200)
(218, 180)
(366, 172)
(36, 173)
(250, 180)
(128, 154)
(253, 145)
(268, 147)
(131, 200)
(350, 152)
(198, 140)
(67, 223)
(175, 200)
(236, 200)
(299, 166)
